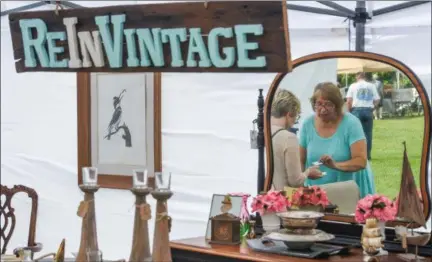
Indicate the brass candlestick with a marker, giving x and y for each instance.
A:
(140, 241)
(87, 211)
(161, 245)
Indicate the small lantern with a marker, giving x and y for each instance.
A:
(163, 181)
(139, 178)
(225, 229)
(90, 176)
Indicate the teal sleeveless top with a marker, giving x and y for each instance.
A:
(338, 147)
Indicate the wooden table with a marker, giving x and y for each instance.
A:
(198, 249)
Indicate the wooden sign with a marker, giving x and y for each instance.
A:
(232, 36)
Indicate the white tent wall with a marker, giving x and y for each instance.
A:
(206, 120)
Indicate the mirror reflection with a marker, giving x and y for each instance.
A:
(340, 123)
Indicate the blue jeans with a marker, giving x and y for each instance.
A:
(365, 115)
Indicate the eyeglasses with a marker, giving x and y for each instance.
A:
(326, 105)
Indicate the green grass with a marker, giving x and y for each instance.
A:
(387, 151)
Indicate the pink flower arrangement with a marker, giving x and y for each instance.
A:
(375, 206)
(244, 213)
(270, 202)
(396, 200)
(312, 195)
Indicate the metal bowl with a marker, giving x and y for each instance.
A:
(299, 219)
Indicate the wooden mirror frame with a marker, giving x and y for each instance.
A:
(424, 178)
(84, 132)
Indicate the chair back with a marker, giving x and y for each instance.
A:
(8, 214)
(344, 194)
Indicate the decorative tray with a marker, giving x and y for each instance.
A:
(278, 247)
(298, 239)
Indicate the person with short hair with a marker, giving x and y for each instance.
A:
(285, 112)
(336, 139)
(362, 98)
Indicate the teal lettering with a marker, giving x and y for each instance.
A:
(174, 36)
(34, 45)
(243, 46)
(113, 44)
(150, 44)
(53, 50)
(213, 47)
(196, 45)
(132, 60)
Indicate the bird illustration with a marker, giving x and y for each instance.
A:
(117, 115)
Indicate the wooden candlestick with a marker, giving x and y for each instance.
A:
(87, 211)
(161, 246)
(140, 241)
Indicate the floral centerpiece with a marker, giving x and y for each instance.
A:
(267, 205)
(375, 207)
(312, 197)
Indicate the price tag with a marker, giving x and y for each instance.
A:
(404, 241)
(254, 136)
(82, 209)
(145, 211)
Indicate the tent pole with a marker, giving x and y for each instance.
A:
(338, 7)
(38, 4)
(398, 7)
(24, 8)
(316, 10)
(359, 24)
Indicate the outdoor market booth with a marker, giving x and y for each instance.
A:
(118, 54)
(398, 99)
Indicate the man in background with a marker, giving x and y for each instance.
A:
(362, 98)
(379, 86)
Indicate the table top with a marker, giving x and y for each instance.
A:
(242, 251)
(12, 258)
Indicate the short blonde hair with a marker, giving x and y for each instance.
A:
(328, 91)
(285, 102)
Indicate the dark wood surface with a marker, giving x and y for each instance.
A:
(273, 44)
(198, 249)
(424, 178)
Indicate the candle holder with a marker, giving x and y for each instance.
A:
(90, 176)
(87, 211)
(161, 246)
(140, 241)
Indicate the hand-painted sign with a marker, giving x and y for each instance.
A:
(181, 37)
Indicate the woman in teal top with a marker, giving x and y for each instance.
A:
(337, 140)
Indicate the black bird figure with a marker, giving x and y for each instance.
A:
(116, 118)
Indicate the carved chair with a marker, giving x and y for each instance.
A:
(7, 212)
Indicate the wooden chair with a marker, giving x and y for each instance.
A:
(7, 212)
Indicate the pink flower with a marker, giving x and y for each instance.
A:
(312, 195)
(244, 213)
(375, 206)
(272, 201)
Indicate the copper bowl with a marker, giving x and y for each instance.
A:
(299, 219)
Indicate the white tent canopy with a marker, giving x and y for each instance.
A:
(205, 126)
(355, 65)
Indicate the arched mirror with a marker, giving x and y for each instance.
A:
(334, 109)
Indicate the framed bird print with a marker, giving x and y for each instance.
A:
(119, 125)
